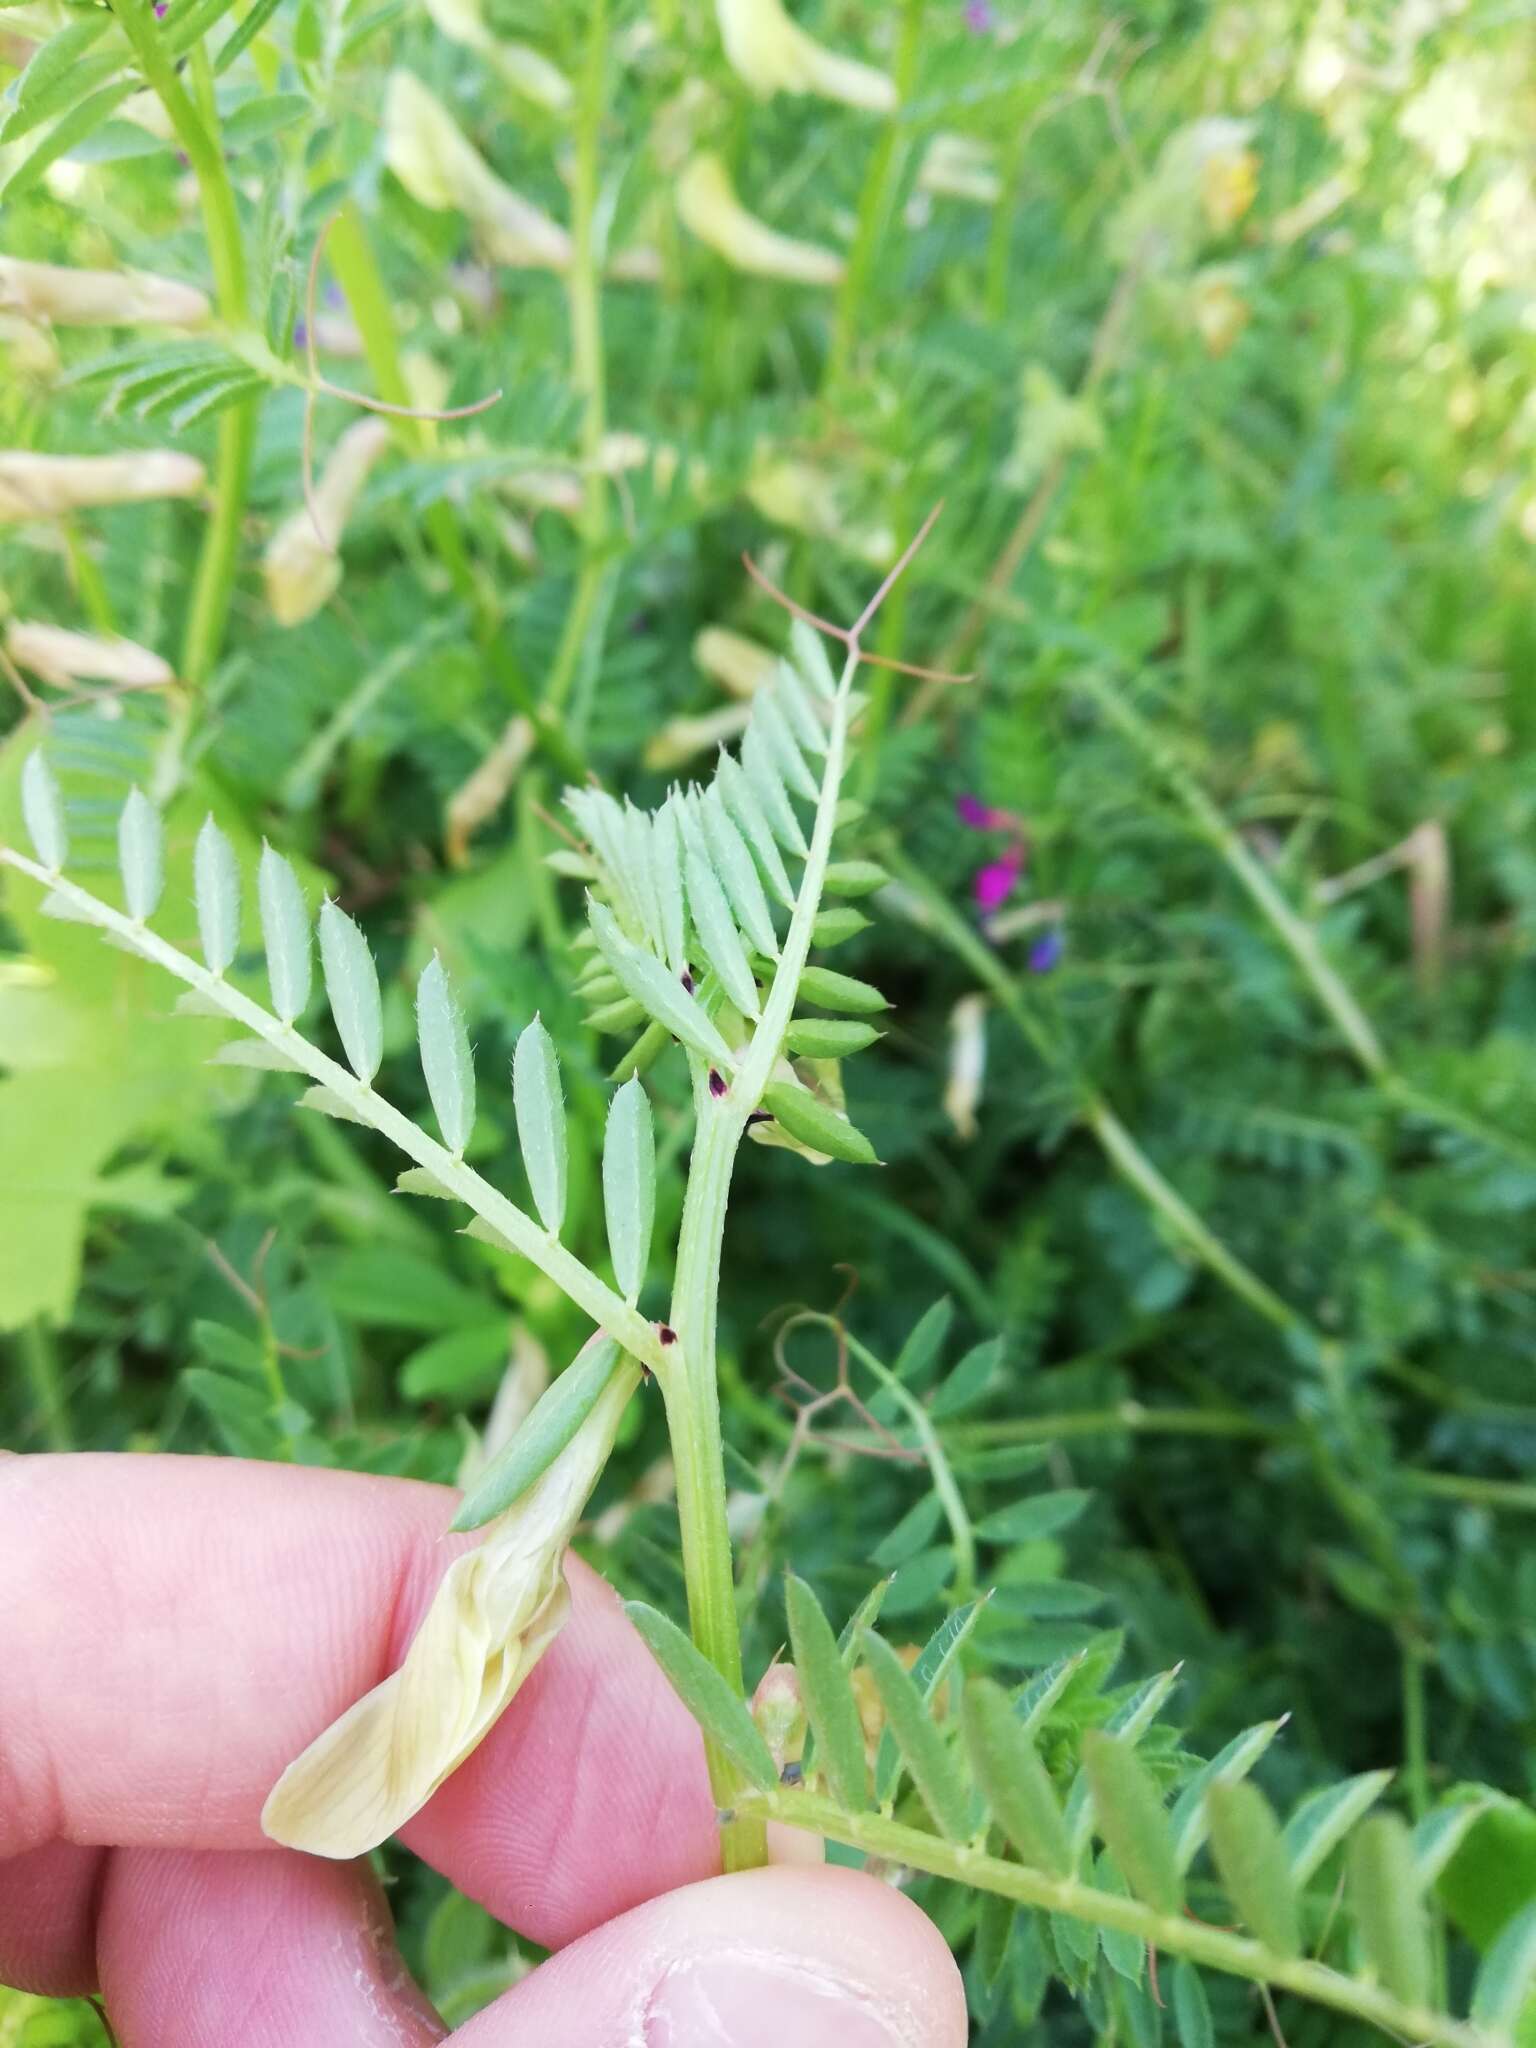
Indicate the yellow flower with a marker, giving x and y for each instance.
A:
(302, 567)
(60, 657)
(442, 169)
(709, 209)
(772, 54)
(43, 486)
(960, 167)
(495, 1613)
(97, 298)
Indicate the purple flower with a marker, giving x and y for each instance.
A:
(970, 810)
(979, 17)
(994, 883)
(1046, 952)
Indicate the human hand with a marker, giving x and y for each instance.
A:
(174, 1630)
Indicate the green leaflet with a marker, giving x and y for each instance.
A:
(655, 989)
(629, 1185)
(1129, 1815)
(352, 986)
(446, 1060)
(811, 658)
(1189, 1819)
(42, 810)
(810, 1120)
(831, 991)
(854, 878)
(741, 803)
(546, 1430)
(1508, 1973)
(721, 1714)
(1323, 1819)
(141, 855)
(718, 936)
(831, 1038)
(1250, 1855)
(285, 933)
(781, 745)
(830, 1706)
(216, 889)
(919, 1739)
(1389, 1915)
(767, 784)
(1014, 1783)
(733, 863)
(540, 1110)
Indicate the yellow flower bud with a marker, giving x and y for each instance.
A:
(442, 169)
(960, 167)
(302, 567)
(682, 739)
(496, 1611)
(709, 209)
(97, 298)
(773, 54)
(60, 657)
(44, 486)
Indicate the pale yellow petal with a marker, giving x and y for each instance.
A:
(60, 656)
(494, 1614)
(301, 567)
(772, 53)
(709, 209)
(440, 168)
(98, 298)
(43, 486)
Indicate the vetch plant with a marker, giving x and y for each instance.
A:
(702, 918)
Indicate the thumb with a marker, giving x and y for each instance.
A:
(814, 1958)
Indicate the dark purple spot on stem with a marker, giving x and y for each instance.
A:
(687, 981)
(668, 1334)
(716, 1083)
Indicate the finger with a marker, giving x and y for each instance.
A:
(47, 1915)
(271, 1950)
(767, 1959)
(174, 1630)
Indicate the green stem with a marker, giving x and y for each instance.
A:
(214, 582)
(962, 1533)
(536, 1244)
(692, 1396)
(874, 204)
(584, 285)
(40, 1365)
(1213, 1947)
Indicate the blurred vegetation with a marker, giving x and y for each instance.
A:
(1207, 1086)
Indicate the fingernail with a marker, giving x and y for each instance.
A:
(766, 2001)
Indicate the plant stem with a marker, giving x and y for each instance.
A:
(536, 1244)
(874, 204)
(1214, 1947)
(693, 1419)
(691, 1387)
(214, 582)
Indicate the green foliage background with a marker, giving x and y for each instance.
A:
(1258, 432)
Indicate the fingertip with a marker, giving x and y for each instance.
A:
(817, 1958)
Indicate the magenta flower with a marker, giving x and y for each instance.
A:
(979, 17)
(994, 883)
